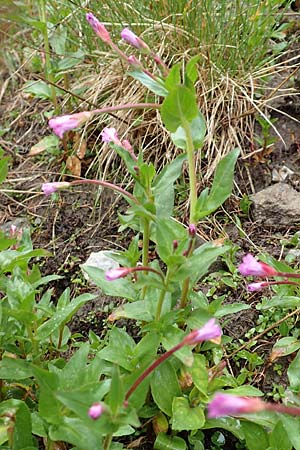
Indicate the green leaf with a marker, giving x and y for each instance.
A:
(138, 310)
(292, 428)
(117, 288)
(227, 423)
(178, 108)
(174, 77)
(278, 438)
(191, 68)
(39, 89)
(3, 168)
(62, 316)
(199, 373)
(281, 301)
(294, 373)
(15, 369)
(198, 264)
(165, 442)
(286, 346)
(119, 349)
(184, 417)
(245, 391)
(163, 187)
(168, 230)
(164, 387)
(230, 309)
(45, 144)
(172, 336)
(116, 393)
(221, 187)
(153, 85)
(49, 406)
(75, 431)
(198, 131)
(256, 437)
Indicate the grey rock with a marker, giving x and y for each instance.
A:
(277, 205)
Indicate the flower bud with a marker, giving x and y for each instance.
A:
(61, 124)
(99, 28)
(210, 331)
(232, 405)
(95, 411)
(49, 188)
(250, 266)
(115, 274)
(133, 40)
(109, 134)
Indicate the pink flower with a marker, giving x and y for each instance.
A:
(98, 27)
(114, 274)
(61, 124)
(110, 135)
(232, 405)
(49, 188)
(133, 39)
(250, 266)
(210, 331)
(252, 287)
(192, 229)
(95, 411)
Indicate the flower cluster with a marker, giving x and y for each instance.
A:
(251, 267)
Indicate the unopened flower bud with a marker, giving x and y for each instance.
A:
(134, 40)
(61, 124)
(232, 405)
(114, 274)
(99, 28)
(109, 134)
(175, 245)
(211, 331)
(95, 411)
(49, 188)
(192, 230)
(250, 266)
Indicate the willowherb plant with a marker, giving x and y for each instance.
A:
(112, 387)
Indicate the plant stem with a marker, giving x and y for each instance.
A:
(153, 366)
(145, 256)
(192, 170)
(160, 304)
(184, 293)
(107, 442)
(48, 71)
(193, 197)
(106, 184)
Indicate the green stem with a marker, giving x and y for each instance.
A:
(107, 442)
(48, 71)
(193, 197)
(145, 256)
(184, 293)
(162, 297)
(160, 304)
(186, 283)
(192, 171)
(146, 239)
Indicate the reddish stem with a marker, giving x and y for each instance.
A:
(153, 366)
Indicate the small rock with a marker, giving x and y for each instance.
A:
(277, 205)
(102, 260)
(282, 173)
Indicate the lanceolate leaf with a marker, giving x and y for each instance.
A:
(221, 188)
(178, 108)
